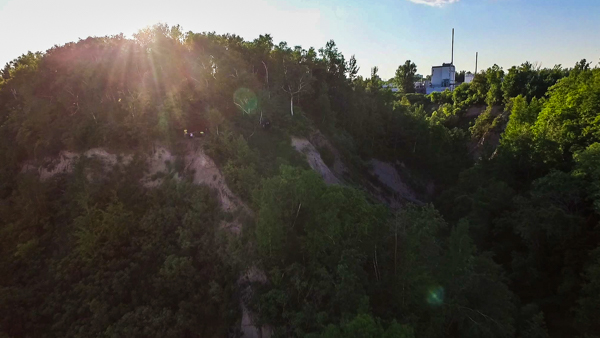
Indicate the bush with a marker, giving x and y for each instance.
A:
(483, 124)
(327, 155)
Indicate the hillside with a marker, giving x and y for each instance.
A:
(310, 202)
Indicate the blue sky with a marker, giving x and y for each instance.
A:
(381, 33)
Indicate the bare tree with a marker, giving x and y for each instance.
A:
(297, 80)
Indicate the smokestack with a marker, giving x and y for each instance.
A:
(452, 62)
(476, 59)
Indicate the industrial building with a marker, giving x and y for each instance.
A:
(442, 78)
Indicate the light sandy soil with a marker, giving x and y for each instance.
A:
(319, 140)
(386, 173)
(204, 170)
(314, 159)
(389, 176)
(66, 159)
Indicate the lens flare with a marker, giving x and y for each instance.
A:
(436, 296)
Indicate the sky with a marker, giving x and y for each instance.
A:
(382, 33)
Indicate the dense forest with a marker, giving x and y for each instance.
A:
(503, 240)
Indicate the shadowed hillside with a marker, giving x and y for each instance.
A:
(199, 185)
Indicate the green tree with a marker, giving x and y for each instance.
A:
(588, 301)
(480, 87)
(568, 119)
(405, 77)
(494, 76)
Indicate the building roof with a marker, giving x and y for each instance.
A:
(444, 65)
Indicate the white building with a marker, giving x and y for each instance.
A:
(469, 77)
(392, 87)
(442, 78)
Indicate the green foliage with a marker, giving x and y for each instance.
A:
(405, 77)
(460, 95)
(532, 322)
(312, 240)
(327, 155)
(328, 251)
(589, 302)
(494, 76)
(478, 311)
(534, 203)
(587, 167)
(417, 99)
(483, 124)
(569, 118)
(480, 87)
(93, 253)
(530, 82)
(444, 97)
(364, 325)
(280, 202)
(109, 257)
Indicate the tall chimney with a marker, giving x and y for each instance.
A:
(452, 62)
(476, 59)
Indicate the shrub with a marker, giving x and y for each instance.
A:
(326, 155)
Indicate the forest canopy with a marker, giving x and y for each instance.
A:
(501, 241)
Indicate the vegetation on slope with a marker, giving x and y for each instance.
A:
(509, 247)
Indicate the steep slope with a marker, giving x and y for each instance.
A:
(388, 186)
(314, 159)
(160, 162)
(389, 176)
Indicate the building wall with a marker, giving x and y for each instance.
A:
(391, 87)
(442, 78)
(436, 76)
(439, 74)
(469, 78)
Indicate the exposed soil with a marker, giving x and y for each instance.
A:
(391, 189)
(196, 162)
(319, 140)
(314, 159)
(389, 176)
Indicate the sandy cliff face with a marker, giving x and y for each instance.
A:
(390, 188)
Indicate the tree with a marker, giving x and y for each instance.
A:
(494, 76)
(460, 95)
(460, 76)
(587, 166)
(405, 77)
(480, 87)
(352, 68)
(479, 302)
(530, 81)
(569, 117)
(77, 248)
(589, 301)
(296, 75)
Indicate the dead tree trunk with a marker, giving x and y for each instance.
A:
(301, 86)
